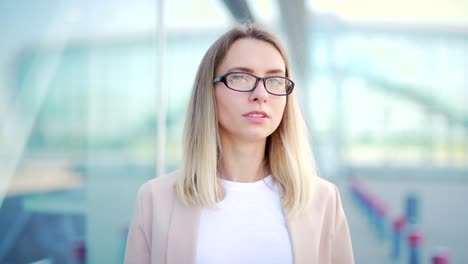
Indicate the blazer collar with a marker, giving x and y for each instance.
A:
(183, 233)
(301, 234)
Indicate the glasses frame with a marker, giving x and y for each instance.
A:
(222, 79)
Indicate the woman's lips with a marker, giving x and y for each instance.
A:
(256, 116)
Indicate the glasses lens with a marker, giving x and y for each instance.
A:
(278, 85)
(240, 81)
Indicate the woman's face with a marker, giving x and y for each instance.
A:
(250, 116)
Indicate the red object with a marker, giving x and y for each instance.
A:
(399, 223)
(79, 251)
(382, 208)
(441, 257)
(372, 200)
(415, 237)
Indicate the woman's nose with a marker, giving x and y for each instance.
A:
(259, 93)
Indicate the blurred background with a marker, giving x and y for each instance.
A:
(93, 96)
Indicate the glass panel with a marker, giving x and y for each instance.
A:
(78, 113)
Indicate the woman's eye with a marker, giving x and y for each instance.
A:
(275, 81)
(238, 78)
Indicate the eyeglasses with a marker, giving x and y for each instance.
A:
(246, 82)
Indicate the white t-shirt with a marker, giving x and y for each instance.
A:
(248, 227)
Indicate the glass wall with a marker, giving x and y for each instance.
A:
(79, 94)
(394, 97)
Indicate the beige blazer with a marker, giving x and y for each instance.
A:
(163, 230)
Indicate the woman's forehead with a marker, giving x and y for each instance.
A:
(253, 55)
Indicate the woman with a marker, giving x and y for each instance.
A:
(248, 190)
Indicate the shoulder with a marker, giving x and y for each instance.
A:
(324, 189)
(154, 203)
(326, 197)
(161, 183)
(159, 189)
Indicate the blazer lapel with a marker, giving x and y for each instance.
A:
(183, 233)
(301, 234)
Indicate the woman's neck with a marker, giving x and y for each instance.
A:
(243, 161)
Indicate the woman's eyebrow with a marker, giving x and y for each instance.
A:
(242, 69)
(249, 70)
(276, 71)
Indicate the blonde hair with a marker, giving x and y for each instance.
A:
(288, 154)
